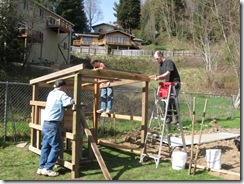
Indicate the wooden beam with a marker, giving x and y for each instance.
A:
(120, 147)
(76, 127)
(216, 170)
(66, 164)
(120, 116)
(95, 108)
(57, 74)
(144, 112)
(96, 150)
(38, 103)
(113, 74)
(35, 126)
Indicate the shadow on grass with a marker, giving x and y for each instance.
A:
(117, 162)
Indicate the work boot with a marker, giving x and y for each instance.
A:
(168, 120)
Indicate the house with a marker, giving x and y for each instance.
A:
(108, 36)
(46, 35)
(103, 28)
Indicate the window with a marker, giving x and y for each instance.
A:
(109, 38)
(87, 39)
(65, 45)
(116, 39)
(41, 13)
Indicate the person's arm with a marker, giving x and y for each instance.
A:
(160, 77)
(67, 101)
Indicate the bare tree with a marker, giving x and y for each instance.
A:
(93, 12)
(202, 28)
(227, 13)
(150, 30)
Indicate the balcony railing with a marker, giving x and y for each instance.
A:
(26, 32)
(60, 25)
(100, 43)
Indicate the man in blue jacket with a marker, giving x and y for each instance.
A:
(57, 100)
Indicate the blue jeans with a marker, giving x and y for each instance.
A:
(51, 144)
(171, 101)
(177, 90)
(107, 98)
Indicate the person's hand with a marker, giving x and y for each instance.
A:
(156, 78)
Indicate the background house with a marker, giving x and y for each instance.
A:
(46, 35)
(103, 28)
(109, 36)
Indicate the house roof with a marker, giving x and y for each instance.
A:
(104, 24)
(114, 31)
(137, 39)
(86, 35)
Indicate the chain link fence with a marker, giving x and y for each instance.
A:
(15, 106)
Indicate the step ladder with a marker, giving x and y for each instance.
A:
(166, 105)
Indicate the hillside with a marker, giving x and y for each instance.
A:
(193, 76)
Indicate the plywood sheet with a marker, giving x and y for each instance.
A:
(177, 141)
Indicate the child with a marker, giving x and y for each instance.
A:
(106, 90)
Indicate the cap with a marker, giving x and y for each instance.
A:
(59, 83)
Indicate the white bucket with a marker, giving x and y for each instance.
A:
(213, 158)
(179, 160)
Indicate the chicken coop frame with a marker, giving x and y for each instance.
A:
(80, 79)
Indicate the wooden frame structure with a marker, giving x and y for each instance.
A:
(80, 79)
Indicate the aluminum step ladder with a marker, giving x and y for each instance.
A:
(166, 99)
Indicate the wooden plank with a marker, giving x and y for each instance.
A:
(120, 147)
(66, 164)
(144, 112)
(70, 135)
(57, 74)
(38, 103)
(33, 131)
(35, 150)
(96, 150)
(95, 107)
(35, 126)
(76, 127)
(123, 82)
(113, 74)
(120, 116)
(216, 170)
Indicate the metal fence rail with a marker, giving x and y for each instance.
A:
(16, 111)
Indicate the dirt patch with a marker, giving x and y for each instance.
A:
(230, 155)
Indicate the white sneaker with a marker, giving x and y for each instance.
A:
(49, 172)
(100, 110)
(108, 111)
(39, 171)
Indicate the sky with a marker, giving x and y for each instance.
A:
(107, 11)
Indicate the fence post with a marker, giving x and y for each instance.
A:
(5, 111)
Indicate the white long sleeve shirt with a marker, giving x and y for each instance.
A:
(56, 101)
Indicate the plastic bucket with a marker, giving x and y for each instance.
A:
(178, 160)
(213, 158)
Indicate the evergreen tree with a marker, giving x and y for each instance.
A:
(11, 48)
(73, 11)
(128, 14)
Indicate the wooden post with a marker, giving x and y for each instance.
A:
(76, 127)
(192, 135)
(35, 134)
(95, 107)
(200, 136)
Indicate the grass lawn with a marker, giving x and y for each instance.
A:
(21, 164)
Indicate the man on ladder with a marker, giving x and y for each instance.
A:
(168, 72)
(168, 94)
